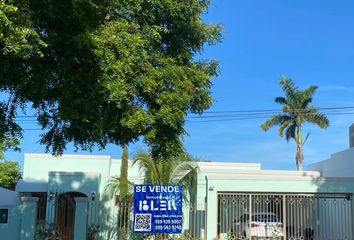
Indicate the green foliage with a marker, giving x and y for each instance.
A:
(177, 170)
(10, 174)
(9, 143)
(230, 236)
(113, 186)
(99, 71)
(123, 191)
(46, 231)
(92, 232)
(17, 37)
(19, 42)
(122, 186)
(296, 111)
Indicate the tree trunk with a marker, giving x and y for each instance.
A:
(299, 157)
(123, 185)
(123, 191)
(299, 151)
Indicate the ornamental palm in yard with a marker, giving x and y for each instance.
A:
(121, 186)
(296, 111)
(181, 170)
(177, 170)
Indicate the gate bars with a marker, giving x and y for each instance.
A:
(284, 216)
(193, 221)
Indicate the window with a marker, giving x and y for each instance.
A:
(4, 215)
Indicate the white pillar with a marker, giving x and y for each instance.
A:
(80, 227)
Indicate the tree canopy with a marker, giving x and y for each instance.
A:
(7, 144)
(99, 71)
(10, 173)
(297, 110)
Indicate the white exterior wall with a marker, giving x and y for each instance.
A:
(8, 197)
(341, 164)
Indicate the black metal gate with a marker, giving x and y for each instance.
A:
(284, 216)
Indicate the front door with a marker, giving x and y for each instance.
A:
(65, 216)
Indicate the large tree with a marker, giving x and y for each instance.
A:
(297, 110)
(98, 71)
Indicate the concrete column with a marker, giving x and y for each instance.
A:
(80, 227)
(352, 215)
(28, 210)
(212, 208)
(50, 207)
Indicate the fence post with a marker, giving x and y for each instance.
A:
(284, 217)
(250, 214)
(350, 201)
(211, 224)
(80, 226)
(28, 217)
(206, 208)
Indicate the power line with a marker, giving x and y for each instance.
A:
(248, 118)
(276, 110)
(250, 113)
(230, 115)
(258, 115)
(239, 111)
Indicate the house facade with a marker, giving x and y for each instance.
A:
(71, 192)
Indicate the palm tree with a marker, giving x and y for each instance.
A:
(180, 170)
(124, 184)
(296, 111)
(121, 186)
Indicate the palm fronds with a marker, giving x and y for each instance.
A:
(296, 111)
(178, 170)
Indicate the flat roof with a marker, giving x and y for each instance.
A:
(67, 156)
(31, 186)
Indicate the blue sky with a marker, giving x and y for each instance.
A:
(311, 42)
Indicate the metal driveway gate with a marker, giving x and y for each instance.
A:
(284, 216)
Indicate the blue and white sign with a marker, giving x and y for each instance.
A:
(158, 208)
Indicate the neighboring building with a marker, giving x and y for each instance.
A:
(341, 164)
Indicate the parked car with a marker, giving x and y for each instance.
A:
(260, 226)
